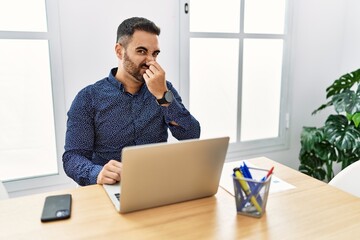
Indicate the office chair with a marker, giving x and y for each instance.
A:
(3, 192)
(348, 179)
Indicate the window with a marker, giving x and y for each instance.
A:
(31, 94)
(233, 58)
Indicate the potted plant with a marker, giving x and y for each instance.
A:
(338, 141)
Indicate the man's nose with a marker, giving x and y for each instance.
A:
(150, 58)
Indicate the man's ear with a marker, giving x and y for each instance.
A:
(119, 50)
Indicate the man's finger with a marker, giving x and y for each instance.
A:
(149, 73)
(153, 69)
(155, 64)
(107, 180)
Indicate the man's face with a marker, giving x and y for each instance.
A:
(142, 48)
(134, 69)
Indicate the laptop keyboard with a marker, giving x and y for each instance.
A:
(117, 195)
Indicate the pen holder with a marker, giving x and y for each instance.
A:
(251, 194)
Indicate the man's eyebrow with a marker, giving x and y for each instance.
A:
(142, 48)
(145, 49)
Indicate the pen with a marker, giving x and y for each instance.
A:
(253, 186)
(246, 173)
(246, 189)
(269, 173)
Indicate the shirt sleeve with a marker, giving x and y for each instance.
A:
(79, 141)
(189, 127)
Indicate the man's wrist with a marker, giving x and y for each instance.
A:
(167, 98)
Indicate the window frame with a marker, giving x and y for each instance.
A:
(20, 186)
(254, 147)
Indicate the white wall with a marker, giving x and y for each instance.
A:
(325, 40)
(351, 46)
(88, 33)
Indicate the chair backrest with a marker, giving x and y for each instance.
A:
(3, 192)
(348, 179)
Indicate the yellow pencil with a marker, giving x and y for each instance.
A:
(246, 189)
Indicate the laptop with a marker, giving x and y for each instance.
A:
(159, 174)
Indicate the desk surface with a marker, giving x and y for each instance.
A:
(313, 210)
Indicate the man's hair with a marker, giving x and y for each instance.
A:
(127, 28)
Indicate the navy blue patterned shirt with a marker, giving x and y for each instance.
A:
(104, 118)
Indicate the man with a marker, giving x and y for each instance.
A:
(134, 105)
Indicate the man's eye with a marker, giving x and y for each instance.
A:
(155, 54)
(142, 52)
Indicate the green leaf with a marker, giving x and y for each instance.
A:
(339, 133)
(356, 119)
(349, 116)
(311, 165)
(347, 101)
(325, 151)
(344, 82)
(348, 156)
(310, 136)
(330, 103)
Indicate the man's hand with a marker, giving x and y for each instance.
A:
(156, 82)
(155, 79)
(111, 173)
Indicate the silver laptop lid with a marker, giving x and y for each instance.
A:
(165, 173)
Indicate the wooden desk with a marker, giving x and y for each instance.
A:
(313, 210)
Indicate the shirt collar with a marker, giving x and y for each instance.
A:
(114, 81)
(118, 84)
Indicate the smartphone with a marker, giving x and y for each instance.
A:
(56, 207)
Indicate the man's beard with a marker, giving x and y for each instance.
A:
(131, 68)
